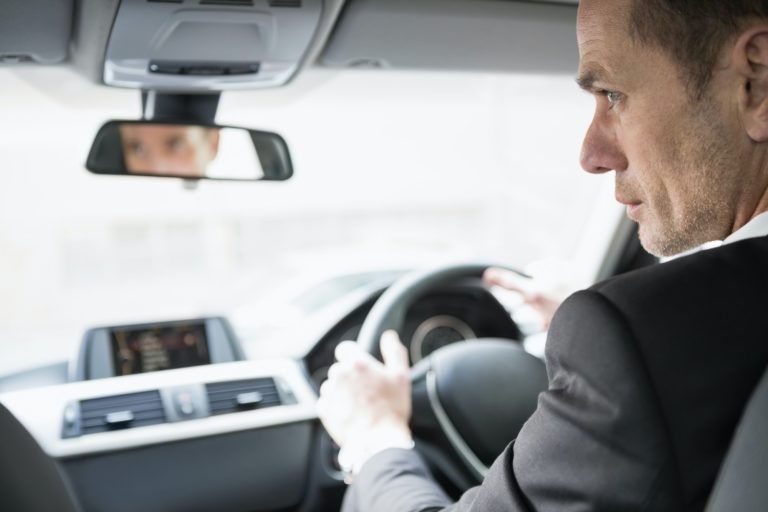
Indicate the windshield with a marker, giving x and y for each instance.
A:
(393, 170)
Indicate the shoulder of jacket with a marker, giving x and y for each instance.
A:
(737, 261)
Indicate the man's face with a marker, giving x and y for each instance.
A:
(676, 159)
(172, 150)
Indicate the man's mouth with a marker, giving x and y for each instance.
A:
(632, 204)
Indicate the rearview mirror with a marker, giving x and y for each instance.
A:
(190, 151)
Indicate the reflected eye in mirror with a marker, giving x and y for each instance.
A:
(178, 144)
(190, 151)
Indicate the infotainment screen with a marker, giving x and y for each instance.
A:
(149, 349)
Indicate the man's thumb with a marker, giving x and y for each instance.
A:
(393, 352)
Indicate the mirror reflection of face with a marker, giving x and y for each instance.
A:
(171, 150)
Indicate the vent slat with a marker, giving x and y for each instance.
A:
(233, 405)
(225, 393)
(222, 396)
(113, 401)
(138, 418)
(135, 408)
(268, 395)
(271, 397)
(146, 408)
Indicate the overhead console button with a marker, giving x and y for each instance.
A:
(246, 69)
(204, 70)
(167, 69)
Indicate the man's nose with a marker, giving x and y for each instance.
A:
(600, 151)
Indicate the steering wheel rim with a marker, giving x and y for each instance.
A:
(389, 310)
(459, 380)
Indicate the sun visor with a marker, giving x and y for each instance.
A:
(456, 35)
(203, 45)
(35, 31)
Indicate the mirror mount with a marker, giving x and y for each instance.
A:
(190, 183)
(180, 108)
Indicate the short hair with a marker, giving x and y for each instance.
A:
(693, 32)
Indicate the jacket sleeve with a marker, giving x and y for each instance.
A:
(597, 441)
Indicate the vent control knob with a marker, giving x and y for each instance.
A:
(119, 418)
(251, 399)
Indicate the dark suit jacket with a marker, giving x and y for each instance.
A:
(648, 376)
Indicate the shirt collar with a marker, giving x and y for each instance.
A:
(756, 227)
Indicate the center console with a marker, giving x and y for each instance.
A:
(169, 416)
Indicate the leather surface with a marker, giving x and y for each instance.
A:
(743, 478)
(29, 479)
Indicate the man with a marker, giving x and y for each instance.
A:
(168, 150)
(649, 371)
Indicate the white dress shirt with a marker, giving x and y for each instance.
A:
(756, 227)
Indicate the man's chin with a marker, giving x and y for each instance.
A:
(650, 245)
(662, 244)
(653, 239)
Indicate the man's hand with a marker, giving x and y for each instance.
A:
(544, 302)
(365, 405)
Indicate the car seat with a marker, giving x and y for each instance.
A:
(742, 484)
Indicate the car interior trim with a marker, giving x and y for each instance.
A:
(416, 36)
(42, 38)
(42, 410)
(263, 45)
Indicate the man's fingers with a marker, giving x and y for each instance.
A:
(393, 352)
(325, 388)
(350, 353)
(333, 372)
(509, 280)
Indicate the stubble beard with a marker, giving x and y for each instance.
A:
(701, 153)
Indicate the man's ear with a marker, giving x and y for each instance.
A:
(751, 60)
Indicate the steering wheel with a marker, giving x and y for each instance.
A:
(478, 395)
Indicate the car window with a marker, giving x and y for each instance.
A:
(393, 170)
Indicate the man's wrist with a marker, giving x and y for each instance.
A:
(361, 447)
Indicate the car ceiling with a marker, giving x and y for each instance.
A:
(456, 35)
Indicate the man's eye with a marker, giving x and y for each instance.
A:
(175, 144)
(136, 149)
(613, 98)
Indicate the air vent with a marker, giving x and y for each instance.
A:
(242, 395)
(285, 3)
(121, 412)
(236, 3)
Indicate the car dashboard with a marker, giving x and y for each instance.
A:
(216, 431)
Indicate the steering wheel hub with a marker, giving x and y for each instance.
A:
(482, 393)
